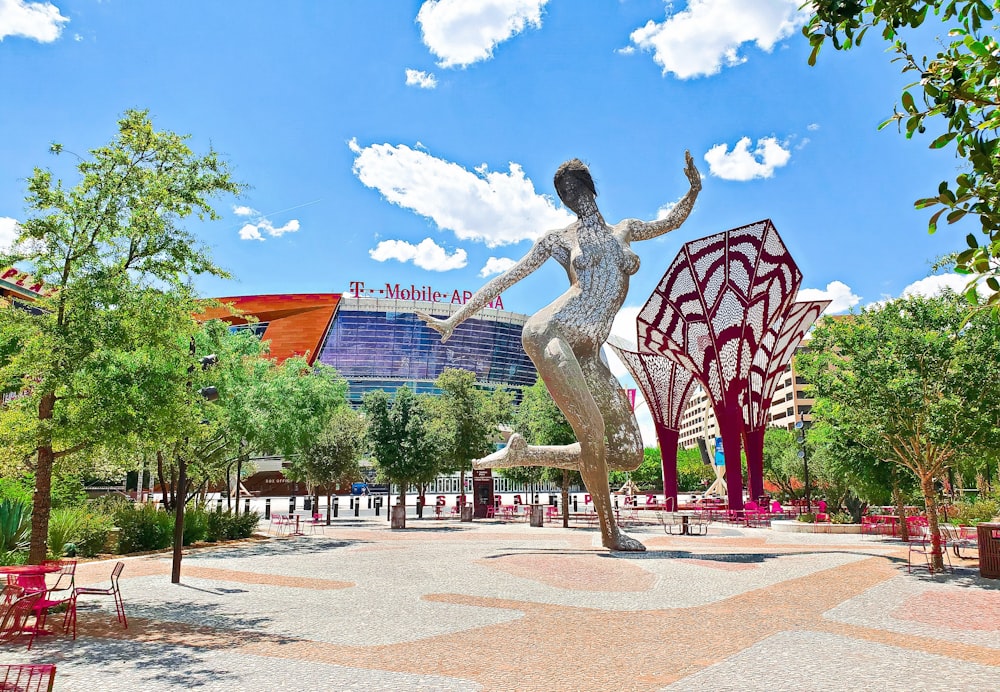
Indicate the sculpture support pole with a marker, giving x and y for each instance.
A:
(730, 425)
(754, 447)
(668, 454)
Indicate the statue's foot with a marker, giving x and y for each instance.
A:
(625, 543)
(511, 455)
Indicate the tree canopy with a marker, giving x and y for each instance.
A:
(91, 362)
(955, 92)
(911, 381)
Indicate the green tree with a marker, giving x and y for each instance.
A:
(400, 438)
(911, 382)
(955, 90)
(334, 456)
(115, 263)
(692, 473)
(541, 422)
(464, 421)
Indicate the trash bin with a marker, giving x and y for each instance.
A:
(467, 512)
(398, 519)
(536, 518)
(989, 550)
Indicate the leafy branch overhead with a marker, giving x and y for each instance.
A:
(956, 89)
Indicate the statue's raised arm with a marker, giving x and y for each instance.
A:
(530, 262)
(644, 230)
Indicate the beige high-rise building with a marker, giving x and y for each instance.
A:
(789, 405)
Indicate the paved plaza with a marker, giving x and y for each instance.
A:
(446, 605)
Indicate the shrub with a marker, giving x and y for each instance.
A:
(244, 525)
(841, 518)
(970, 513)
(807, 517)
(143, 528)
(64, 528)
(195, 525)
(92, 534)
(228, 526)
(15, 525)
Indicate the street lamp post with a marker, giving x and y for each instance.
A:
(800, 426)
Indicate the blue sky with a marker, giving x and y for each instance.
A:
(415, 142)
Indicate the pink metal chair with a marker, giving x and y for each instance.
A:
(551, 513)
(14, 622)
(112, 591)
(28, 678)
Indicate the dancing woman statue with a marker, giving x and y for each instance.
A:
(564, 339)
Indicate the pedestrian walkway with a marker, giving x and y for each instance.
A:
(492, 606)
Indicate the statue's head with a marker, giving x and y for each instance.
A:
(573, 184)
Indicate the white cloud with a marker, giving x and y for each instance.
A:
(802, 144)
(250, 232)
(462, 32)
(419, 78)
(497, 208)
(812, 127)
(935, 285)
(708, 34)
(259, 225)
(627, 50)
(427, 255)
(837, 291)
(664, 211)
(496, 265)
(8, 233)
(40, 21)
(742, 164)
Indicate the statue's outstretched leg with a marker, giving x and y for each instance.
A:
(518, 452)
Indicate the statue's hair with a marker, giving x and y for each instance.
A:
(575, 170)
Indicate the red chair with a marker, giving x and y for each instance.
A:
(111, 591)
(28, 678)
(14, 623)
(551, 513)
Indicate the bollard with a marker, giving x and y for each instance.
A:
(267, 508)
(218, 505)
(357, 507)
(575, 510)
(616, 502)
(246, 506)
(352, 503)
(307, 503)
(291, 505)
(420, 508)
(369, 502)
(378, 505)
(335, 510)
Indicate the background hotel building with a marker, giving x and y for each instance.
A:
(789, 405)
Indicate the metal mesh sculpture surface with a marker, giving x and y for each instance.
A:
(712, 310)
(667, 386)
(564, 338)
(769, 364)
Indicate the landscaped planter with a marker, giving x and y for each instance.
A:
(817, 527)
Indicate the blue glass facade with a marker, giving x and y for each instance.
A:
(384, 345)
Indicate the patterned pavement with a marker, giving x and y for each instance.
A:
(492, 606)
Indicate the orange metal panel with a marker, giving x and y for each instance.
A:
(296, 322)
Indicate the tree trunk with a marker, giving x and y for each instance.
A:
(565, 498)
(930, 503)
(229, 485)
(175, 572)
(163, 480)
(897, 497)
(461, 487)
(239, 476)
(42, 500)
